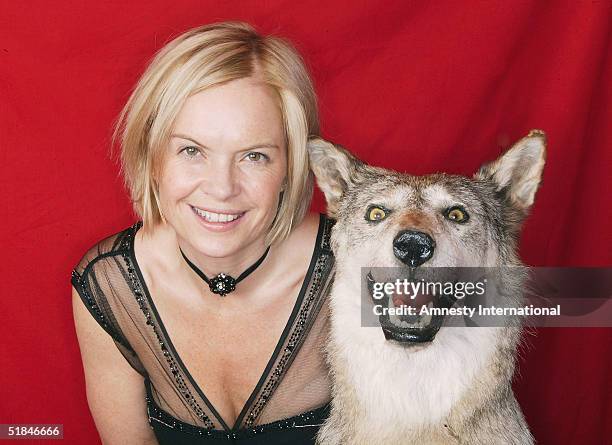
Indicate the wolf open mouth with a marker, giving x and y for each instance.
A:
(410, 328)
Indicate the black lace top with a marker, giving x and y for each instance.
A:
(289, 402)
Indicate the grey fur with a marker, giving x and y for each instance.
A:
(497, 198)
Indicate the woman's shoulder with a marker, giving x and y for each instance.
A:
(114, 244)
(313, 230)
(101, 280)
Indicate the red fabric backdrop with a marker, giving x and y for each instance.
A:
(417, 87)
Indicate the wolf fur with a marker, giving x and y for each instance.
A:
(455, 389)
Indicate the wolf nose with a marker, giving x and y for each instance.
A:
(413, 248)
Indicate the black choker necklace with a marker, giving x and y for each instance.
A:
(223, 284)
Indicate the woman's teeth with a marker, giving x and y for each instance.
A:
(216, 217)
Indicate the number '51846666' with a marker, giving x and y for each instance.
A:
(22, 431)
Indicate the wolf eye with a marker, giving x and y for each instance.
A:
(375, 214)
(456, 214)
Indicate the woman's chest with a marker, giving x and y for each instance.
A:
(226, 350)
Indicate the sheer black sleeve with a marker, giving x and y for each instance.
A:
(93, 279)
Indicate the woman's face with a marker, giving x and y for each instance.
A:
(224, 168)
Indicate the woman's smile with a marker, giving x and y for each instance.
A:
(218, 221)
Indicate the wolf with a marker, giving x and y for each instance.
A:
(423, 382)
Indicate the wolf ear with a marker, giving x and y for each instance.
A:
(334, 167)
(518, 171)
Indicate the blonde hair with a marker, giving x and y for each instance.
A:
(198, 59)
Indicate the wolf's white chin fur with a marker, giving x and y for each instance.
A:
(425, 376)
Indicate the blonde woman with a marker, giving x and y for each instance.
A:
(204, 322)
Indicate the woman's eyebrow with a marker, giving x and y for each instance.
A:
(251, 147)
(182, 136)
(264, 145)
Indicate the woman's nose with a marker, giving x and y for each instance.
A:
(221, 181)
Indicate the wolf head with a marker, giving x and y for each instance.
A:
(388, 219)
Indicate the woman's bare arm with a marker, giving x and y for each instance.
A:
(115, 391)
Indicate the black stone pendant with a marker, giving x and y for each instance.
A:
(222, 284)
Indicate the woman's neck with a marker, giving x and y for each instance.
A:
(234, 264)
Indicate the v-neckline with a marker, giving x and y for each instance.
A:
(285, 332)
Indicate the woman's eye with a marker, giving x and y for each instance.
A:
(456, 214)
(191, 151)
(375, 214)
(256, 156)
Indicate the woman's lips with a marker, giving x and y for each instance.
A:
(218, 221)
